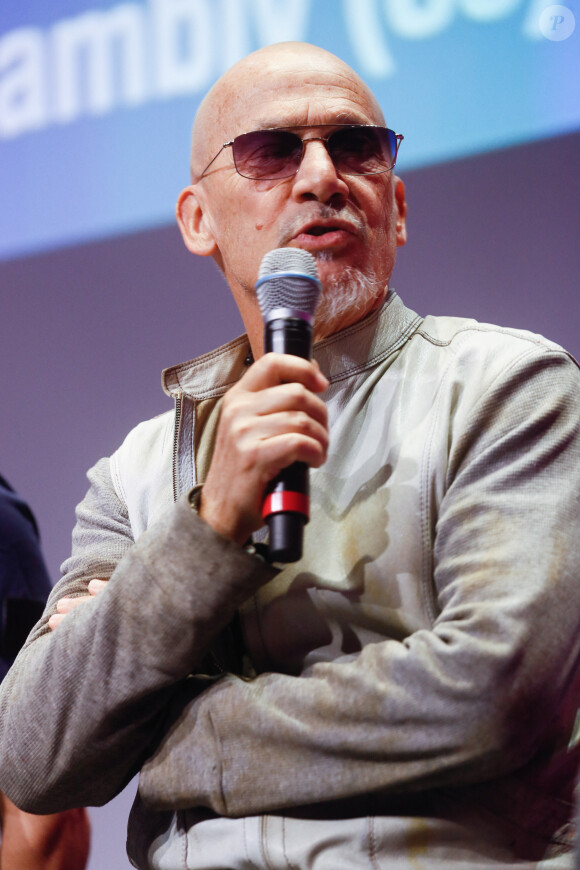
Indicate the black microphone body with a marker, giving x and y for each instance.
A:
(288, 291)
(287, 520)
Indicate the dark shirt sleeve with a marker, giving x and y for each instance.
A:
(24, 581)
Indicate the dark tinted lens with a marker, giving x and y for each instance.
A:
(267, 154)
(363, 150)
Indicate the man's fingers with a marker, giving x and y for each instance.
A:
(273, 369)
(279, 451)
(55, 620)
(248, 408)
(96, 586)
(271, 418)
(64, 606)
(289, 427)
(293, 397)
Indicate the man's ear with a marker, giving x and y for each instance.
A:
(194, 224)
(401, 209)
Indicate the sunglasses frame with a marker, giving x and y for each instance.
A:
(337, 127)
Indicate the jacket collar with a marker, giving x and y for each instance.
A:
(349, 351)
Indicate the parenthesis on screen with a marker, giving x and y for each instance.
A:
(364, 25)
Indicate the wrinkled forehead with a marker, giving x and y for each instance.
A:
(300, 98)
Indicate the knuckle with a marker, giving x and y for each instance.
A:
(249, 455)
(298, 394)
(233, 412)
(269, 365)
(239, 428)
(230, 403)
(303, 423)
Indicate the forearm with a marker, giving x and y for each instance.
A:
(396, 718)
(54, 842)
(470, 699)
(83, 705)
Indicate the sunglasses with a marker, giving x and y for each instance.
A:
(355, 149)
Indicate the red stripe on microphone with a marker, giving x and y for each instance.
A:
(279, 502)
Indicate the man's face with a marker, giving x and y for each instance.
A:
(353, 222)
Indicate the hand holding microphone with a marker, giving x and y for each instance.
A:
(270, 419)
(288, 289)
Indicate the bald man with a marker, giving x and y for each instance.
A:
(405, 695)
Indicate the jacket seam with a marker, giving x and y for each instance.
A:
(200, 361)
(116, 479)
(425, 501)
(428, 581)
(220, 755)
(537, 341)
(380, 357)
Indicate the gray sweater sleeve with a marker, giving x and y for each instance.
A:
(492, 685)
(82, 706)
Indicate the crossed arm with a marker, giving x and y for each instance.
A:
(74, 725)
(443, 707)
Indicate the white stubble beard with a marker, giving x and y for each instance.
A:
(346, 296)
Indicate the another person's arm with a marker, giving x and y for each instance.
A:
(29, 842)
(56, 842)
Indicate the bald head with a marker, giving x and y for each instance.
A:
(352, 224)
(225, 111)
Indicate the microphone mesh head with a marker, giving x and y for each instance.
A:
(299, 290)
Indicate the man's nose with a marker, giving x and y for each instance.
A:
(317, 177)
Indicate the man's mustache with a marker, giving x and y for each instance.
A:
(325, 214)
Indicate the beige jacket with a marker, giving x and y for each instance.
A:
(415, 674)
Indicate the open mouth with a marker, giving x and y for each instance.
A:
(321, 231)
(321, 236)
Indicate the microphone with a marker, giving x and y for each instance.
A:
(288, 289)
